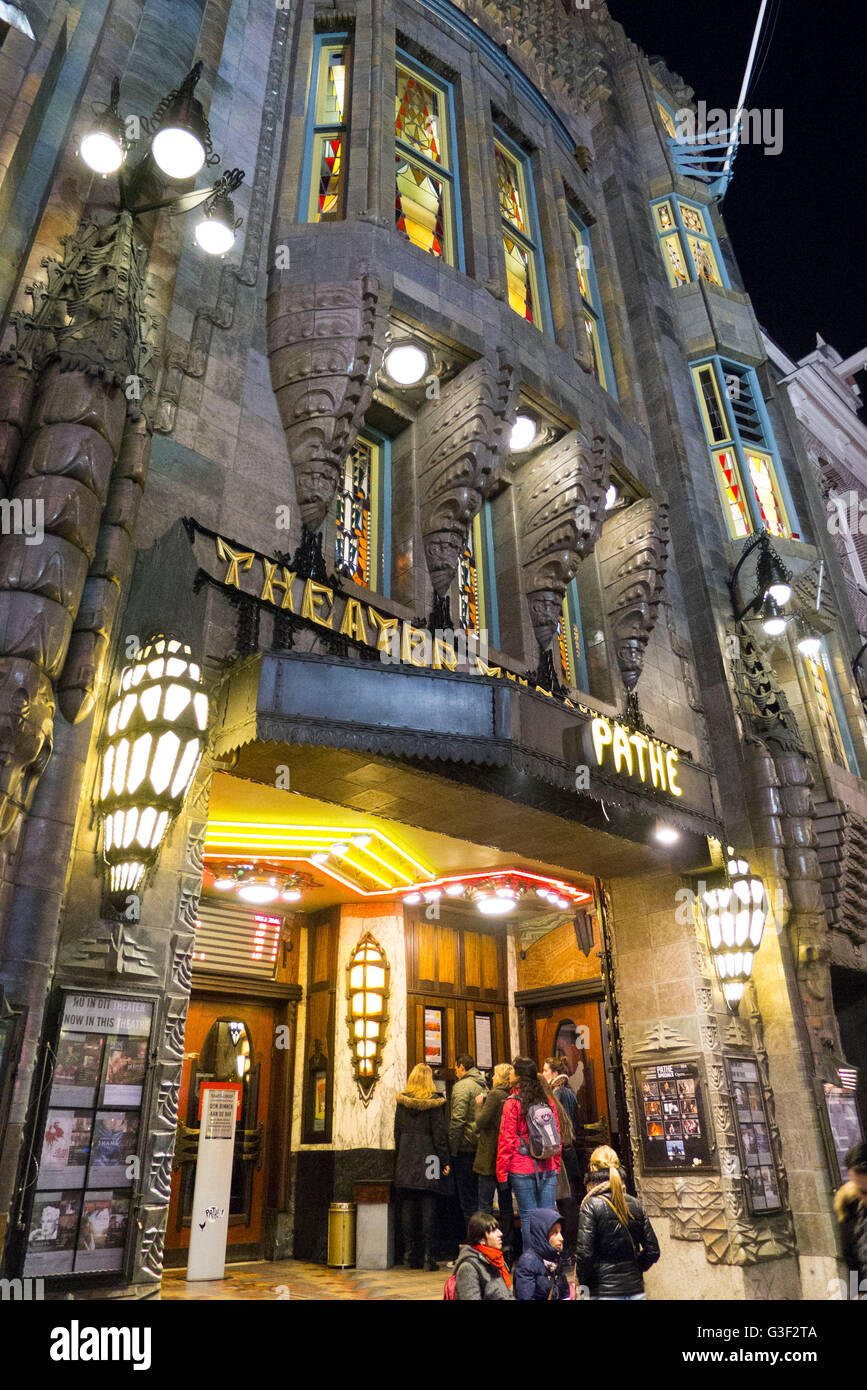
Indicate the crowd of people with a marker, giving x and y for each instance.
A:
(519, 1142)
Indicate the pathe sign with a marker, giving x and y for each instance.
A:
(633, 755)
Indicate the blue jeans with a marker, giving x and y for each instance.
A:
(487, 1187)
(532, 1192)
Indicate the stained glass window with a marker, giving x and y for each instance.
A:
(748, 478)
(593, 323)
(667, 119)
(569, 642)
(687, 243)
(353, 515)
(471, 582)
(519, 241)
(838, 742)
(330, 132)
(424, 178)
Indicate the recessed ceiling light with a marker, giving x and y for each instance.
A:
(340, 847)
(667, 835)
(454, 890)
(362, 841)
(412, 898)
(406, 364)
(495, 907)
(258, 893)
(320, 857)
(524, 432)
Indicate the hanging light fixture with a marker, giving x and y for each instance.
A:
(216, 231)
(809, 641)
(182, 141)
(734, 908)
(773, 586)
(103, 148)
(152, 745)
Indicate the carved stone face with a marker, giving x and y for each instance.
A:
(443, 552)
(545, 608)
(26, 717)
(315, 482)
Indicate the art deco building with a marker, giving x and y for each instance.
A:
(374, 686)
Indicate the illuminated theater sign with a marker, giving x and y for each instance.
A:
(634, 755)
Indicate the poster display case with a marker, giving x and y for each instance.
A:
(753, 1134)
(88, 1150)
(672, 1119)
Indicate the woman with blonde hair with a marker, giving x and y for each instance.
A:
(616, 1242)
(421, 1163)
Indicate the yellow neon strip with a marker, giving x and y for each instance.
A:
(258, 832)
(367, 872)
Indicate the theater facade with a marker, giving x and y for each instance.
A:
(398, 671)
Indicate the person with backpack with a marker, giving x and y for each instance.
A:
(528, 1153)
(419, 1137)
(616, 1242)
(489, 1113)
(481, 1274)
(464, 1133)
(541, 1274)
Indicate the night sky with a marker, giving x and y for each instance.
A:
(797, 219)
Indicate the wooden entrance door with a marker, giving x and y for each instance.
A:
(226, 1039)
(574, 1029)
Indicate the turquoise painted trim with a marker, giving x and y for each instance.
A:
(840, 711)
(311, 127)
(384, 513)
(596, 308)
(490, 575)
(453, 175)
(673, 198)
(534, 242)
(498, 59)
(573, 609)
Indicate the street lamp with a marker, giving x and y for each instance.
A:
(180, 146)
(773, 587)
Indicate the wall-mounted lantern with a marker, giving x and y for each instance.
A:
(734, 909)
(367, 992)
(152, 744)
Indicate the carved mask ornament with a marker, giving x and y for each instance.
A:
(634, 562)
(561, 508)
(325, 345)
(26, 717)
(462, 439)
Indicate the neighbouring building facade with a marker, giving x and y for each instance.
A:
(375, 681)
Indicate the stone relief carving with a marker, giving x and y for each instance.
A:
(661, 1037)
(560, 498)
(111, 948)
(634, 561)
(325, 345)
(462, 439)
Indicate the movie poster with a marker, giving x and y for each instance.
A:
(51, 1241)
(76, 1070)
(102, 1235)
(674, 1134)
(65, 1149)
(115, 1141)
(125, 1065)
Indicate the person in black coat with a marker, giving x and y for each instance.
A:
(421, 1165)
(616, 1242)
(850, 1205)
(540, 1273)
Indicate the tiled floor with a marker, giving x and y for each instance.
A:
(294, 1279)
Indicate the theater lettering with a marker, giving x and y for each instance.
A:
(635, 755)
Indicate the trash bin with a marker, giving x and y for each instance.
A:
(341, 1235)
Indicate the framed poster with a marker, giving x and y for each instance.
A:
(844, 1121)
(753, 1134)
(90, 1137)
(484, 1042)
(433, 1037)
(671, 1114)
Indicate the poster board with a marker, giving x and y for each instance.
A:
(672, 1117)
(753, 1132)
(80, 1222)
(433, 1037)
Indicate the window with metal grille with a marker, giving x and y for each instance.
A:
(232, 940)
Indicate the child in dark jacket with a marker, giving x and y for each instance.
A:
(540, 1274)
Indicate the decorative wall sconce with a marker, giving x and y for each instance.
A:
(406, 363)
(153, 742)
(734, 909)
(367, 992)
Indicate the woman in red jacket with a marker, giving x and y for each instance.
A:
(533, 1181)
